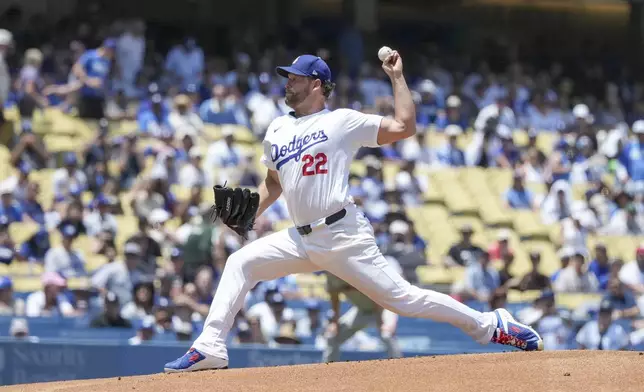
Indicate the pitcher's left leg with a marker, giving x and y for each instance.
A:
(361, 264)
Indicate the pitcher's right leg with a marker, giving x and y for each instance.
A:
(267, 258)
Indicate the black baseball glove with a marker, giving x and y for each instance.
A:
(236, 207)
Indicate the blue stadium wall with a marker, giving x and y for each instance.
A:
(25, 362)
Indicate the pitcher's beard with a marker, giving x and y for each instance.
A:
(293, 99)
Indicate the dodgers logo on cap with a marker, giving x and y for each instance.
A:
(307, 65)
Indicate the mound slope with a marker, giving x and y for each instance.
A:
(569, 371)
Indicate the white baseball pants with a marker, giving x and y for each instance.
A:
(348, 250)
(355, 320)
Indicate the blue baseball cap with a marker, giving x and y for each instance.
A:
(109, 43)
(5, 282)
(70, 159)
(307, 65)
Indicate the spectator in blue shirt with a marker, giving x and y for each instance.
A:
(600, 266)
(9, 208)
(481, 280)
(632, 156)
(518, 197)
(93, 70)
(154, 118)
(452, 115)
(218, 110)
(185, 63)
(30, 205)
(449, 154)
(621, 299)
(35, 248)
(430, 103)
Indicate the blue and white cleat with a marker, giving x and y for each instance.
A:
(512, 333)
(193, 361)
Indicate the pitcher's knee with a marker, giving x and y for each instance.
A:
(238, 263)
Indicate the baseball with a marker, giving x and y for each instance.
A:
(384, 52)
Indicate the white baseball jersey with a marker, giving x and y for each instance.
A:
(313, 155)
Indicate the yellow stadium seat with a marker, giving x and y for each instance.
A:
(26, 285)
(494, 216)
(576, 300)
(181, 193)
(114, 168)
(20, 268)
(434, 195)
(528, 225)
(242, 134)
(56, 143)
(458, 221)
(520, 137)
(125, 127)
(4, 269)
(79, 283)
(546, 142)
(87, 197)
(389, 171)
(457, 200)
(310, 279)
(22, 231)
(439, 275)
(94, 262)
(359, 168)
(84, 244)
(515, 296)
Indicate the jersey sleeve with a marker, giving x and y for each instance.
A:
(362, 128)
(267, 146)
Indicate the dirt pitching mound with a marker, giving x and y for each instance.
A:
(568, 371)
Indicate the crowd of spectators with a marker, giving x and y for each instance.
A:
(110, 72)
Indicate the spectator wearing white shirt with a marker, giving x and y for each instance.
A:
(632, 274)
(50, 301)
(499, 110)
(603, 334)
(185, 63)
(183, 120)
(262, 106)
(100, 220)
(410, 185)
(68, 177)
(416, 149)
(576, 278)
(130, 53)
(120, 277)
(223, 156)
(449, 154)
(191, 173)
(271, 313)
(542, 115)
(64, 260)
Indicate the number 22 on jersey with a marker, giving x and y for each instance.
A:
(314, 165)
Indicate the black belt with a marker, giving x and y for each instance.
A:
(329, 220)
